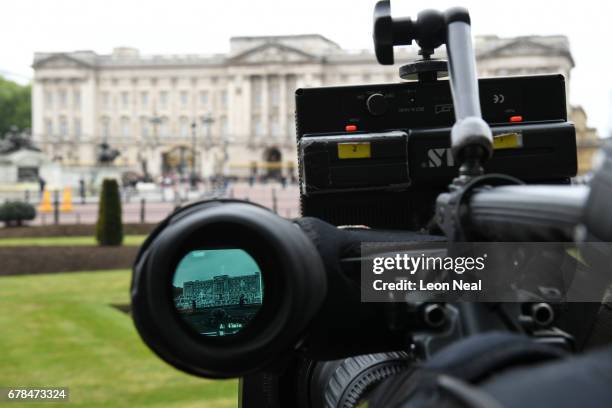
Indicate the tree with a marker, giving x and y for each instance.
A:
(15, 106)
(109, 229)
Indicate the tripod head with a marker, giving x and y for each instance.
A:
(471, 138)
(429, 31)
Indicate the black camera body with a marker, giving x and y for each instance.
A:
(380, 154)
(225, 288)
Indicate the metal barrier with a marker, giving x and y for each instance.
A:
(153, 206)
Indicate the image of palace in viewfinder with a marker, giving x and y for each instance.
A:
(220, 291)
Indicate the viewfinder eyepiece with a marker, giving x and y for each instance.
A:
(223, 288)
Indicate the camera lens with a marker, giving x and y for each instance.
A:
(217, 292)
(345, 383)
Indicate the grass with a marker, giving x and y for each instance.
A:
(129, 240)
(60, 331)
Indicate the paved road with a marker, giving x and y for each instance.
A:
(287, 204)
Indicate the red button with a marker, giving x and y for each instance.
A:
(516, 119)
(350, 128)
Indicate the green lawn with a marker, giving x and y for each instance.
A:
(60, 330)
(130, 240)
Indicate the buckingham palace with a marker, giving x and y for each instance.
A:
(235, 110)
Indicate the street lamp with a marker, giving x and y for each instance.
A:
(207, 121)
(224, 168)
(193, 178)
(155, 121)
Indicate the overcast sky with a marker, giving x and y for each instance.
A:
(204, 26)
(206, 264)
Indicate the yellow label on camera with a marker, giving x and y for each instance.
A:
(508, 141)
(359, 150)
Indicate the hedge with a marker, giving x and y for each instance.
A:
(36, 259)
(69, 230)
(14, 213)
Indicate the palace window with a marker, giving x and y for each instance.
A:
(258, 126)
(63, 126)
(144, 127)
(48, 99)
(163, 99)
(256, 91)
(274, 93)
(257, 100)
(77, 128)
(62, 98)
(144, 99)
(105, 127)
(106, 100)
(224, 126)
(125, 100)
(184, 99)
(76, 99)
(291, 125)
(164, 127)
(223, 99)
(290, 95)
(275, 128)
(204, 98)
(125, 127)
(184, 128)
(48, 127)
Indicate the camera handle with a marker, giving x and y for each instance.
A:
(471, 137)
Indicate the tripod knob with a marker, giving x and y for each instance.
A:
(383, 32)
(389, 32)
(428, 30)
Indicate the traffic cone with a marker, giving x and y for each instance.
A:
(66, 200)
(45, 203)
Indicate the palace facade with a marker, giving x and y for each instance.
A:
(235, 109)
